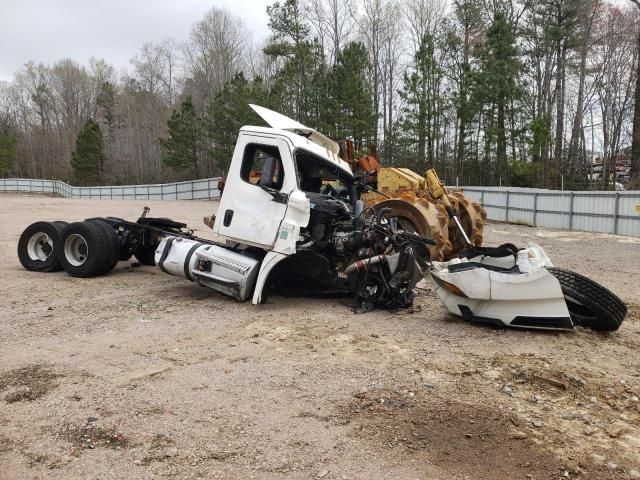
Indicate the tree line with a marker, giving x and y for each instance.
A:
(489, 92)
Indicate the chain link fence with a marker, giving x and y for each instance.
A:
(204, 189)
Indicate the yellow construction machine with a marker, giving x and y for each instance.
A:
(419, 203)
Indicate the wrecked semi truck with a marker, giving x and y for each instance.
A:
(290, 217)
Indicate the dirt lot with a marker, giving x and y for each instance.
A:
(141, 375)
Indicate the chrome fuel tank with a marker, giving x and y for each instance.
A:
(214, 266)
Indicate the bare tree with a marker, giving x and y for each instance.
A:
(260, 65)
(393, 50)
(214, 53)
(155, 69)
(615, 81)
(635, 146)
(586, 42)
(332, 23)
(424, 17)
(374, 18)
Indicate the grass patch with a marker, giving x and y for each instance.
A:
(28, 383)
(90, 436)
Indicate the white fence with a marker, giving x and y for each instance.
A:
(606, 212)
(204, 189)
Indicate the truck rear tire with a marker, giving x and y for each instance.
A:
(61, 224)
(590, 304)
(37, 246)
(113, 255)
(84, 249)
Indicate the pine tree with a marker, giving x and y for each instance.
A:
(353, 114)
(106, 103)
(421, 94)
(88, 158)
(301, 82)
(467, 26)
(7, 151)
(562, 27)
(228, 112)
(497, 87)
(182, 146)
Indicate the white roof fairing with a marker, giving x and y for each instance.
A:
(301, 136)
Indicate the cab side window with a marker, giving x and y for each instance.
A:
(262, 165)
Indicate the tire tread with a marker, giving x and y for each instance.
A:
(610, 309)
(97, 241)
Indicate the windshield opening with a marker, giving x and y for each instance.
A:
(316, 175)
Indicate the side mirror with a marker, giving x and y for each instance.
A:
(278, 197)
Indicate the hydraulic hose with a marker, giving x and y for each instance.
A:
(381, 213)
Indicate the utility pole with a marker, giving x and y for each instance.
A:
(635, 143)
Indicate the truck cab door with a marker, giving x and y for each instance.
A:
(255, 197)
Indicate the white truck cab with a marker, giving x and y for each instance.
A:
(265, 202)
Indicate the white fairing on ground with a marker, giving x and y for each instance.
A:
(506, 297)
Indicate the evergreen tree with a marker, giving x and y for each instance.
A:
(106, 103)
(88, 158)
(228, 112)
(182, 146)
(497, 88)
(554, 31)
(540, 136)
(467, 25)
(7, 151)
(302, 81)
(351, 96)
(421, 94)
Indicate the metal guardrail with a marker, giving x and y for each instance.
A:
(603, 212)
(204, 189)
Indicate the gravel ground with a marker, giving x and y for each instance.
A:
(141, 375)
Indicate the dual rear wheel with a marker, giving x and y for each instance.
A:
(88, 249)
(36, 247)
(83, 249)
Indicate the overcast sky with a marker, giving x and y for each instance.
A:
(50, 30)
